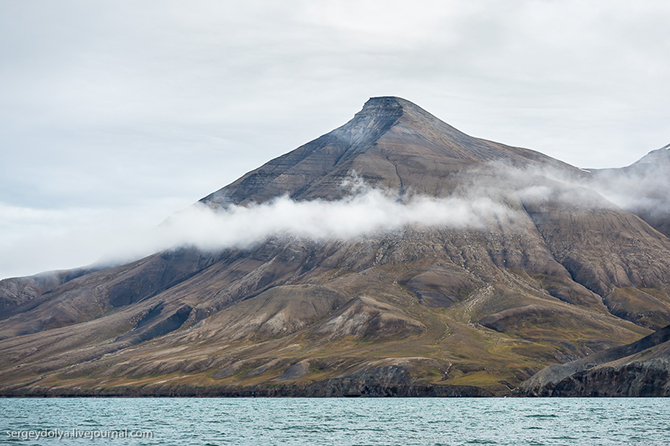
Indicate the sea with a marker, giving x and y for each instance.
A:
(336, 421)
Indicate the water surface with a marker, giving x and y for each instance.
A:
(342, 422)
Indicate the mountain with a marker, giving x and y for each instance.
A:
(638, 369)
(641, 188)
(390, 143)
(548, 272)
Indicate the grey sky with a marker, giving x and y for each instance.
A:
(115, 114)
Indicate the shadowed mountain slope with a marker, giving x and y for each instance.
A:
(638, 369)
(553, 273)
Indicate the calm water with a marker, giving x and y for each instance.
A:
(411, 421)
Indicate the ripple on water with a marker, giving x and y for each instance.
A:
(407, 422)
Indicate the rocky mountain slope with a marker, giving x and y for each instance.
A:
(390, 143)
(558, 274)
(638, 369)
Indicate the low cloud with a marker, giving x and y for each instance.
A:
(487, 197)
(62, 239)
(366, 212)
(643, 187)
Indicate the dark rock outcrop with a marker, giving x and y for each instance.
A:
(391, 381)
(638, 369)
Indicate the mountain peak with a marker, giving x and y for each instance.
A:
(380, 115)
(389, 143)
(385, 106)
(394, 107)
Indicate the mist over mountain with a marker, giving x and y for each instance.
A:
(394, 255)
(642, 188)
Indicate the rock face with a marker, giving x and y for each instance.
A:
(383, 381)
(562, 273)
(638, 369)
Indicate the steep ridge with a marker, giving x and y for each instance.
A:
(562, 274)
(390, 143)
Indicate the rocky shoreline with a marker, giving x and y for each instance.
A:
(319, 389)
(640, 369)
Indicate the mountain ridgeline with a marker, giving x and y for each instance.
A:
(562, 273)
(390, 143)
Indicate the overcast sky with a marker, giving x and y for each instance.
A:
(115, 114)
